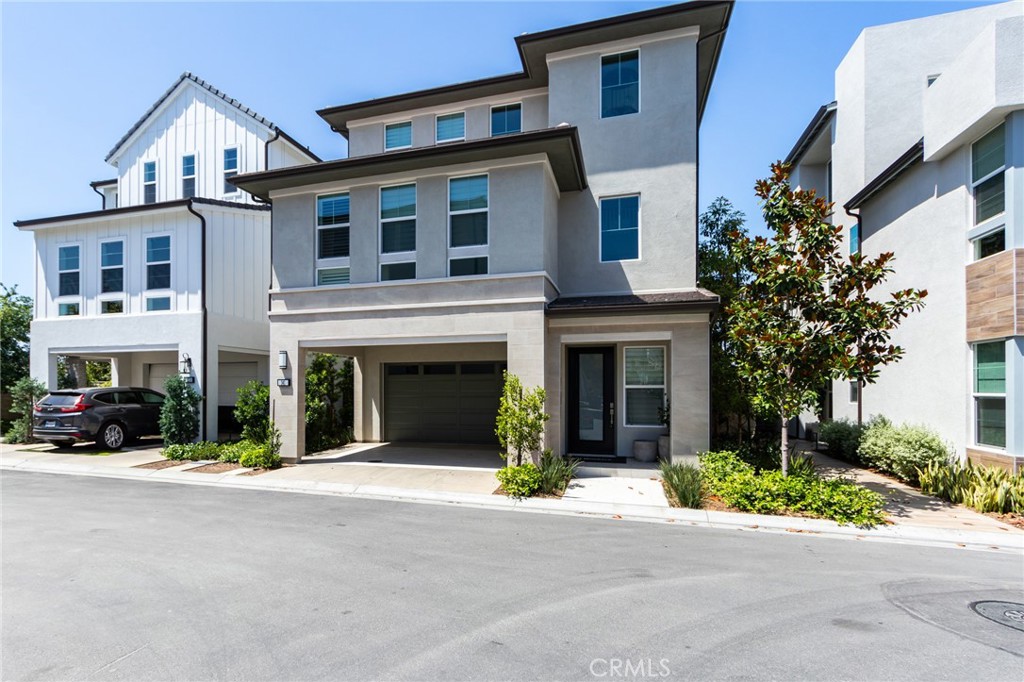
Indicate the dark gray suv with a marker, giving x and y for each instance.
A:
(108, 416)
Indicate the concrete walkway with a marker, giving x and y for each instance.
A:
(357, 471)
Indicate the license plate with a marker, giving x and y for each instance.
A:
(49, 424)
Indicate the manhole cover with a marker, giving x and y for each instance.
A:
(1008, 613)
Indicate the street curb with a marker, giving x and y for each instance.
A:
(699, 518)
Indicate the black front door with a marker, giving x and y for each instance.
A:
(592, 401)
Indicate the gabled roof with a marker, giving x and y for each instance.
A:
(711, 16)
(189, 77)
(819, 121)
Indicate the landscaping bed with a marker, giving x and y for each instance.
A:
(215, 468)
(162, 464)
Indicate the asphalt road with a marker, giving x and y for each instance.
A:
(131, 580)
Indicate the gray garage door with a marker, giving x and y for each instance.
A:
(158, 373)
(442, 402)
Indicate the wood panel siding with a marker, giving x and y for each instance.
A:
(991, 459)
(995, 296)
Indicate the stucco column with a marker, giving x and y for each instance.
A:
(211, 406)
(121, 371)
(357, 396)
(526, 352)
(287, 403)
(690, 391)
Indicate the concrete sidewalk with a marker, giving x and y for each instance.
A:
(620, 498)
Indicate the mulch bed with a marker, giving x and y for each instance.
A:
(551, 496)
(1016, 520)
(162, 464)
(215, 468)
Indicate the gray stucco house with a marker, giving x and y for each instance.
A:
(923, 154)
(543, 221)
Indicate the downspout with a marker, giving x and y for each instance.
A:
(202, 300)
(102, 196)
(860, 384)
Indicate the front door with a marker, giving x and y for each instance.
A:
(592, 401)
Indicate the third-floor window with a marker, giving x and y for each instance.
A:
(230, 169)
(451, 127)
(988, 170)
(506, 119)
(398, 135)
(620, 84)
(188, 176)
(149, 182)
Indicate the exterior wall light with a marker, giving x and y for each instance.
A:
(186, 369)
(282, 359)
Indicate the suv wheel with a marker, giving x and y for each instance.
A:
(113, 436)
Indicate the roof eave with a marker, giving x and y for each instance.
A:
(572, 178)
(112, 213)
(907, 159)
(819, 121)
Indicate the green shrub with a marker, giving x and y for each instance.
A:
(901, 450)
(252, 410)
(555, 472)
(260, 457)
(179, 415)
(985, 489)
(685, 483)
(329, 396)
(193, 452)
(25, 392)
(802, 465)
(740, 485)
(520, 481)
(520, 421)
(842, 437)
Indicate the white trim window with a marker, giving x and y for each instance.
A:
(69, 279)
(149, 182)
(188, 176)
(989, 244)
(111, 298)
(450, 127)
(332, 239)
(231, 164)
(620, 228)
(398, 232)
(468, 225)
(988, 175)
(158, 271)
(506, 119)
(854, 392)
(620, 84)
(643, 384)
(397, 136)
(989, 391)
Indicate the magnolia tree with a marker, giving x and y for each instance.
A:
(808, 314)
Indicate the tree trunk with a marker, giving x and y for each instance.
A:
(784, 456)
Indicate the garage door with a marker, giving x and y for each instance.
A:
(231, 377)
(158, 373)
(442, 402)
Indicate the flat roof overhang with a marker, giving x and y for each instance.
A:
(693, 301)
(711, 18)
(560, 145)
(113, 213)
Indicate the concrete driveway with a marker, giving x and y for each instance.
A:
(431, 466)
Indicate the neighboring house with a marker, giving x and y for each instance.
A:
(171, 274)
(543, 221)
(923, 154)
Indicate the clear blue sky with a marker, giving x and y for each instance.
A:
(77, 76)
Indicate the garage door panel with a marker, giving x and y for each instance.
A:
(158, 373)
(446, 402)
(231, 376)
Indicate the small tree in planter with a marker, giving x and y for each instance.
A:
(665, 441)
(521, 418)
(179, 416)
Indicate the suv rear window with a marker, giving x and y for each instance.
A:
(60, 399)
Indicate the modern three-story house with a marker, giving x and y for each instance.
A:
(923, 154)
(171, 274)
(543, 222)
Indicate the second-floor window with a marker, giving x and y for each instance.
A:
(468, 230)
(69, 270)
(111, 267)
(230, 169)
(620, 84)
(620, 228)
(158, 262)
(988, 170)
(398, 232)
(451, 127)
(149, 182)
(188, 176)
(398, 135)
(332, 239)
(506, 119)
